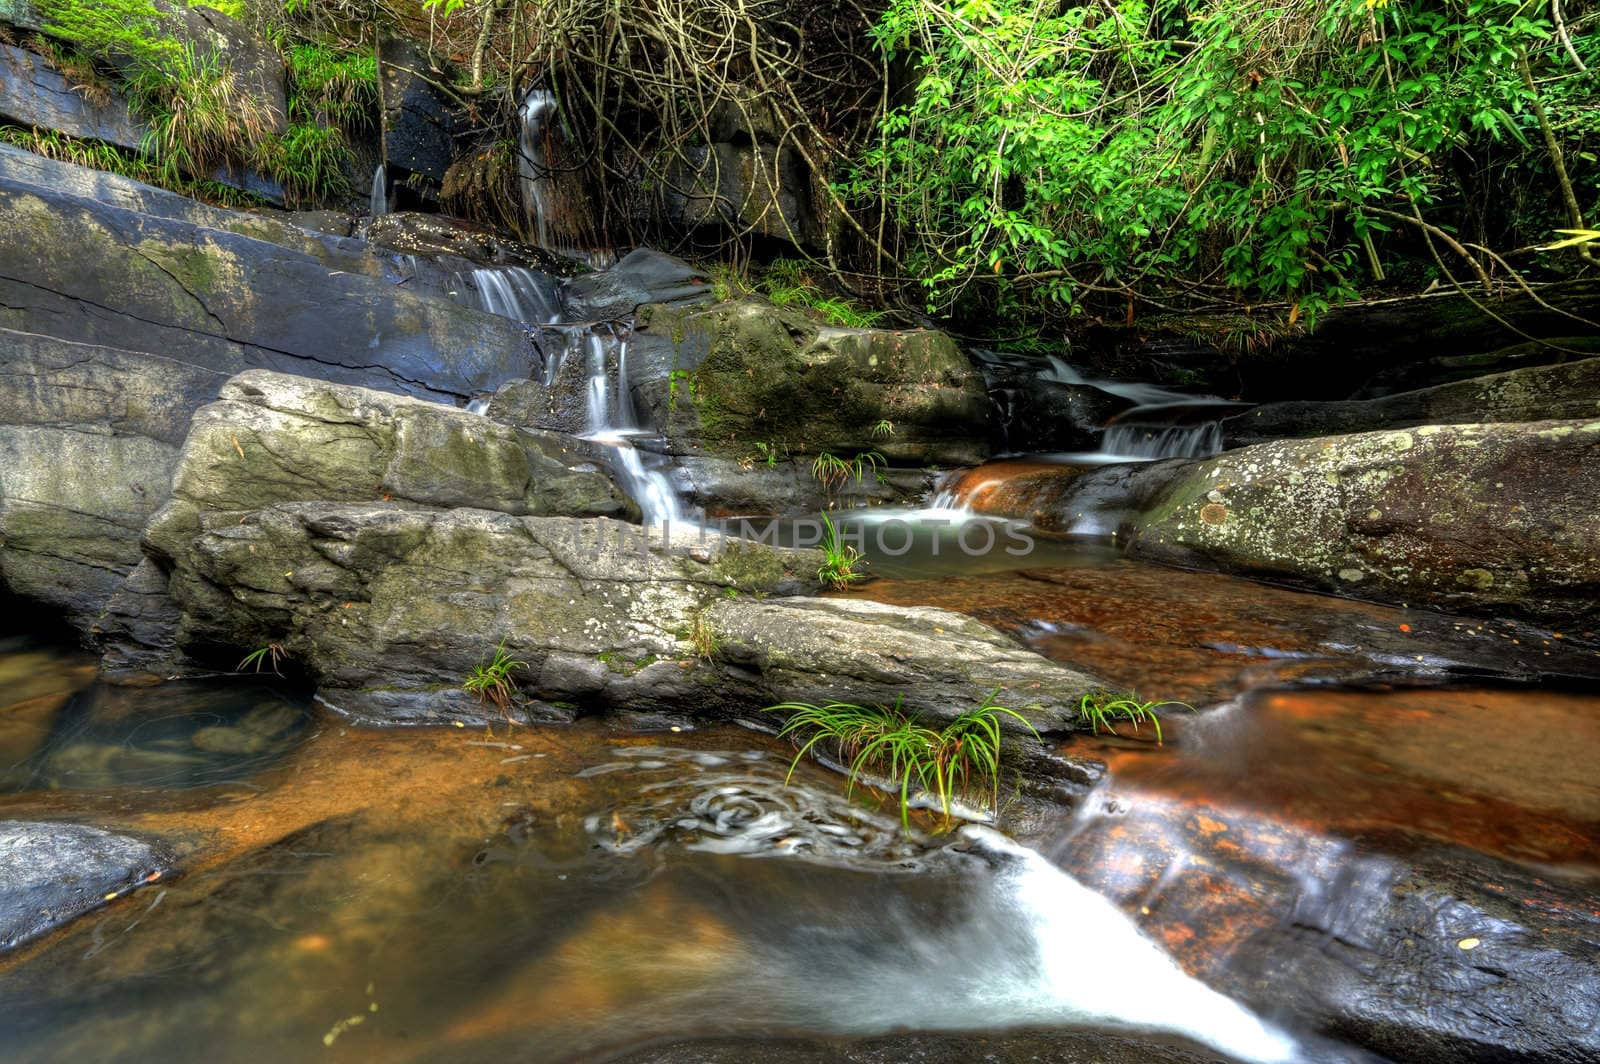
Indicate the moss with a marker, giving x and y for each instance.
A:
(622, 665)
(748, 567)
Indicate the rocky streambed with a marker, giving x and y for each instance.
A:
(224, 435)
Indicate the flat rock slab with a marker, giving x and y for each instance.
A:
(51, 873)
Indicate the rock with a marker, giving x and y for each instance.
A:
(35, 95)
(1445, 955)
(82, 270)
(642, 276)
(747, 188)
(1448, 369)
(274, 438)
(721, 378)
(89, 438)
(1472, 518)
(1535, 393)
(391, 609)
(1047, 1047)
(410, 233)
(20, 168)
(419, 121)
(1036, 411)
(51, 873)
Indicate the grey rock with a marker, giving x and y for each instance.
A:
(642, 276)
(33, 94)
(89, 438)
(419, 120)
(1534, 393)
(391, 608)
(82, 270)
(1473, 518)
(51, 873)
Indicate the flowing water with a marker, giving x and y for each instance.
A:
(580, 893)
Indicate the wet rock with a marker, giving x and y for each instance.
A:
(1044, 1047)
(747, 188)
(35, 95)
(299, 231)
(89, 438)
(410, 233)
(724, 377)
(392, 608)
(420, 121)
(1472, 518)
(83, 270)
(1442, 955)
(1537, 393)
(51, 873)
(642, 276)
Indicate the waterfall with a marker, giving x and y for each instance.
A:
(611, 422)
(1138, 441)
(537, 108)
(379, 205)
(513, 292)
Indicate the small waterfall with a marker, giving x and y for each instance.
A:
(1138, 441)
(379, 205)
(513, 292)
(537, 187)
(610, 420)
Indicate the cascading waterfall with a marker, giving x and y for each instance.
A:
(1146, 441)
(537, 187)
(610, 421)
(513, 292)
(379, 203)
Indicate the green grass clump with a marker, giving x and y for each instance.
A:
(270, 655)
(888, 743)
(841, 561)
(491, 681)
(1100, 709)
(833, 472)
(787, 283)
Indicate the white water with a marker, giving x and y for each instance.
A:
(610, 421)
(379, 204)
(1143, 442)
(538, 107)
(513, 292)
(978, 934)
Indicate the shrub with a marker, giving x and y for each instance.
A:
(841, 560)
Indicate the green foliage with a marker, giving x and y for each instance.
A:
(1052, 149)
(1101, 709)
(270, 655)
(100, 156)
(833, 472)
(788, 283)
(888, 743)
(491, 680)
(841, 561)
(110, 31)
(703, 637)
(883, 429)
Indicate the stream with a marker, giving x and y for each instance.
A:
(586, 892)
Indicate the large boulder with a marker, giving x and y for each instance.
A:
(51, 873)
(89, 437)
(420, 120)
(1496, 518)
(722, 377)
(391, 609)
(1534, 393)
(80, 269)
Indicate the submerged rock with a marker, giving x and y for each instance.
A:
(1473, 518)
(51, 873)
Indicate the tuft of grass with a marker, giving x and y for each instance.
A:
(703, 637)
(787, 283)
(270, 655)
(841, 561)
(883, 429)
(491, 680)
(1100, 709)
(891, 744)
(833, 472)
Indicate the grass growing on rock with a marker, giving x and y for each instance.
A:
(841, 561)
(1100, 709)
(491, 680)
(887, 743)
